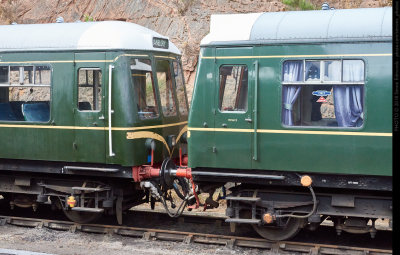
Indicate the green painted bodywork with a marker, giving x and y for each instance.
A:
(322, 153)
(78, 136)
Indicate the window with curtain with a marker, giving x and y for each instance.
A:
(323, 93)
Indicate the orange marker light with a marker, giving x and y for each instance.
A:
(306, 181)
(71, 201)
(268, 218)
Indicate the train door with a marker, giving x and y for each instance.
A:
(89, 105)
(234, 111)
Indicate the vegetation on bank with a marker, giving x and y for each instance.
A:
(296, 5)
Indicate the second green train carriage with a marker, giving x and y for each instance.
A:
(291, 99)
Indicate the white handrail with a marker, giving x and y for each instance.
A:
(110, 111)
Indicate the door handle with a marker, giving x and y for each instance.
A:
(249, 120)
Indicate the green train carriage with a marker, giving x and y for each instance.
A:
(80, 105)
(291, 99)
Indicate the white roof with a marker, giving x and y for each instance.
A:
(103, 35)
(301, 26)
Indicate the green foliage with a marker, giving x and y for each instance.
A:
(299, 5)
(87, 18)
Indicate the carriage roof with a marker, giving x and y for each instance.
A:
(103, 35)
(369, 24)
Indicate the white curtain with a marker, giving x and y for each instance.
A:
(353, 70)
(332, 72)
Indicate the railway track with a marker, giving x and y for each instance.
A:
(292, 247)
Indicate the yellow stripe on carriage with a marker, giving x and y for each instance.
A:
(299, 56)
(92, 128)
(304, 132)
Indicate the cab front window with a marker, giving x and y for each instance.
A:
(165, 87)
(145, 94)
(180, 89)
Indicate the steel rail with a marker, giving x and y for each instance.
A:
(193, 237)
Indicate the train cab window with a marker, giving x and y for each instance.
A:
(89, 89)
(233, 87)
(180, 89)
(25, 93)
(166, 88)
(323, 93)
(143, 83)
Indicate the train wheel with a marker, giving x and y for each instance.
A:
(82, 217)
(76, 216)
(288, 231)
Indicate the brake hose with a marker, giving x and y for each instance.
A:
(303, 216)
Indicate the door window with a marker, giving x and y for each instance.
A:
(89, 89)
(233, 88)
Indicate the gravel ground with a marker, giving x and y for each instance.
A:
(63, 242)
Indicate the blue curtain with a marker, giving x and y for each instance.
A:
(292, 72)
(290, 94)
(348, 99)
(348, 105)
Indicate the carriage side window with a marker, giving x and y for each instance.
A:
(166, 88)
(323, 93)
(89, 89)
(180, 88)
(233, 88)
(25, 93)
(143, 83)
(42, 75)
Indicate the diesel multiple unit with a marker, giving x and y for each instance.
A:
(291, 109)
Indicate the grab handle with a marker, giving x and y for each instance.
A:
(110, 111)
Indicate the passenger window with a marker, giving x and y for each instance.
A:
(4, 75)
(89, 89)
(22, 98)
(233, 88)
(142, 78)
(333, 98)
(313, 70)
(165, 87)
(42, 75)
(180, 89)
